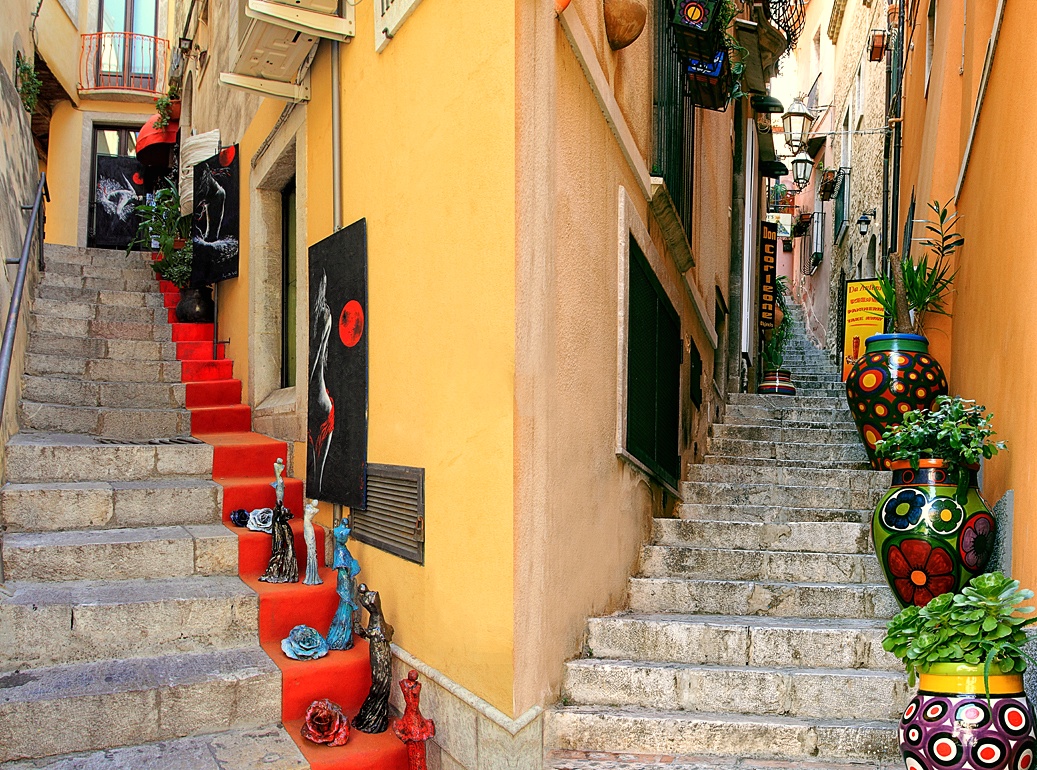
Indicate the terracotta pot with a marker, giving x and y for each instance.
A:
(927, 542)
(624, 21)
(951, 724)
(195, 306)
(174, 109)
(895, 375)
(777, 382)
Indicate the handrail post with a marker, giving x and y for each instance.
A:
(7, 346)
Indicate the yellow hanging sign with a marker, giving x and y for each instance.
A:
(863, 317)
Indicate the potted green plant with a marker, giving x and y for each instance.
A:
(932, 529)
(168, 106)
(967, 650)
(896, 374)
(775, 379)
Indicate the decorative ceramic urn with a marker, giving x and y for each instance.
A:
(951, 725)
(777, 382)
(928, 543)
(895, 375)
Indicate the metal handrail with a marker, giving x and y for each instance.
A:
(123, 61)
(36, 220)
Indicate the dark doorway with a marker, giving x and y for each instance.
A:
(117, 184)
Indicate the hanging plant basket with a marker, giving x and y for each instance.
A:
(801, 226)
(695, 33)
(829, 184)
(708, 83)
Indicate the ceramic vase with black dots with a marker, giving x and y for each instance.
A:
(895, 375)
(951, 725)
(927, 541)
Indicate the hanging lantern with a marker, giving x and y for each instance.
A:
(802, 166)
(797, 122)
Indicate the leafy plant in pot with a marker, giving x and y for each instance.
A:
(967, 650)
(896, 374)
(932, 530)
(775, 379)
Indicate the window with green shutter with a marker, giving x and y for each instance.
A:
(653, 372)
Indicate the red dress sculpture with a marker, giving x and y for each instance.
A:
(412, 728)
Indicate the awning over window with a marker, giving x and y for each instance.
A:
(154, 144)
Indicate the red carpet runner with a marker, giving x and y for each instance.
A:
(243, 464)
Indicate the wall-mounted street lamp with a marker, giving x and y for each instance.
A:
(865, 221)
(797, 122)
(802, 166)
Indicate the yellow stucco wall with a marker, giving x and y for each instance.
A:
(59, 44)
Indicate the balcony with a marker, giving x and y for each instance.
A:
(123, 66)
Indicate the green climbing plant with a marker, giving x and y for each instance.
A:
(29, 82)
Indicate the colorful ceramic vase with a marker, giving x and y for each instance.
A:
(895, 375)
(950, 724)
(777, 381)
(928, 543)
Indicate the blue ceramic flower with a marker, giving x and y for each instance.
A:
(904, 509)
(304, 643)
(261, 520)
(239, 518)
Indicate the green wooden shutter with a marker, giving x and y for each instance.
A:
(653, 372)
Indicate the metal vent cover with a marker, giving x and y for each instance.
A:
(394, 519)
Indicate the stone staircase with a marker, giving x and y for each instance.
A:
(127, 625)
(754, 629)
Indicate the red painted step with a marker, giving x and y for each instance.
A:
(192, 332)
(213, 393)
(342, 676)
(243, 454)
(363, 752)
(198, 351)
(221, 419)
(200, 371)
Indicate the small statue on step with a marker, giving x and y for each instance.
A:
(340, 635)
(278, 482)
(283, 567)
(412, 728)
(312, 576)
(373, 716)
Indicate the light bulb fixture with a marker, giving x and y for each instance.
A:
(797, 122)
(864, 222)
(802, 166)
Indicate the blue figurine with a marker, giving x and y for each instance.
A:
(340, 635)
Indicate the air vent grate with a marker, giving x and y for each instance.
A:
(394, 519)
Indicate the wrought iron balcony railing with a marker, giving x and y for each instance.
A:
(123, 62)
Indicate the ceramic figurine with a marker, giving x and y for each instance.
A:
(340, 635)
(326, 724)
(312, 576)
(412, 728)
(278, 482)
(283, 567)
(304, 643)
(260, 520)
(373, 716)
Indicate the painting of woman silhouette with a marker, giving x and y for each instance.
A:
(215, 232)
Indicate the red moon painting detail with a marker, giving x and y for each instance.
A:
(351, 323)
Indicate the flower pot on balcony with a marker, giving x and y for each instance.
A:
(895, 375)
(195, 306)
(707, 83)
(927, 540)
(953, 722)
(826, 188)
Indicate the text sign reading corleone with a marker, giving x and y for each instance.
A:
(768, 272)
(864, 317)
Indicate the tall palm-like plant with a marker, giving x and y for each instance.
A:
(775, 344)
(920, 288)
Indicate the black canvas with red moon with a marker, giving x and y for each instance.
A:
(120, 185)
(215, 229)
(336, 452)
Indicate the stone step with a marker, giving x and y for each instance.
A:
(867, 480)
(77, 255)
(81, 392)
(99, 313)
(798, 692)
(788, 402)
(768, 450)
(747, 597)
(268, 747)
(672, 561)
(761, 415)
(32, 458)
(801, 537)
(90, 706)
(121, 554)
(103, 369)
(714, 459)
(733, 640)
(58, 326)
(800, 496)
(96, 347)
(150, 298)
(596, 760)
(59, 506)
(818, 433)
(640, 731)
(110, 422)
(769, 514)
(127, 272)
(108, 283)
(52, 623)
